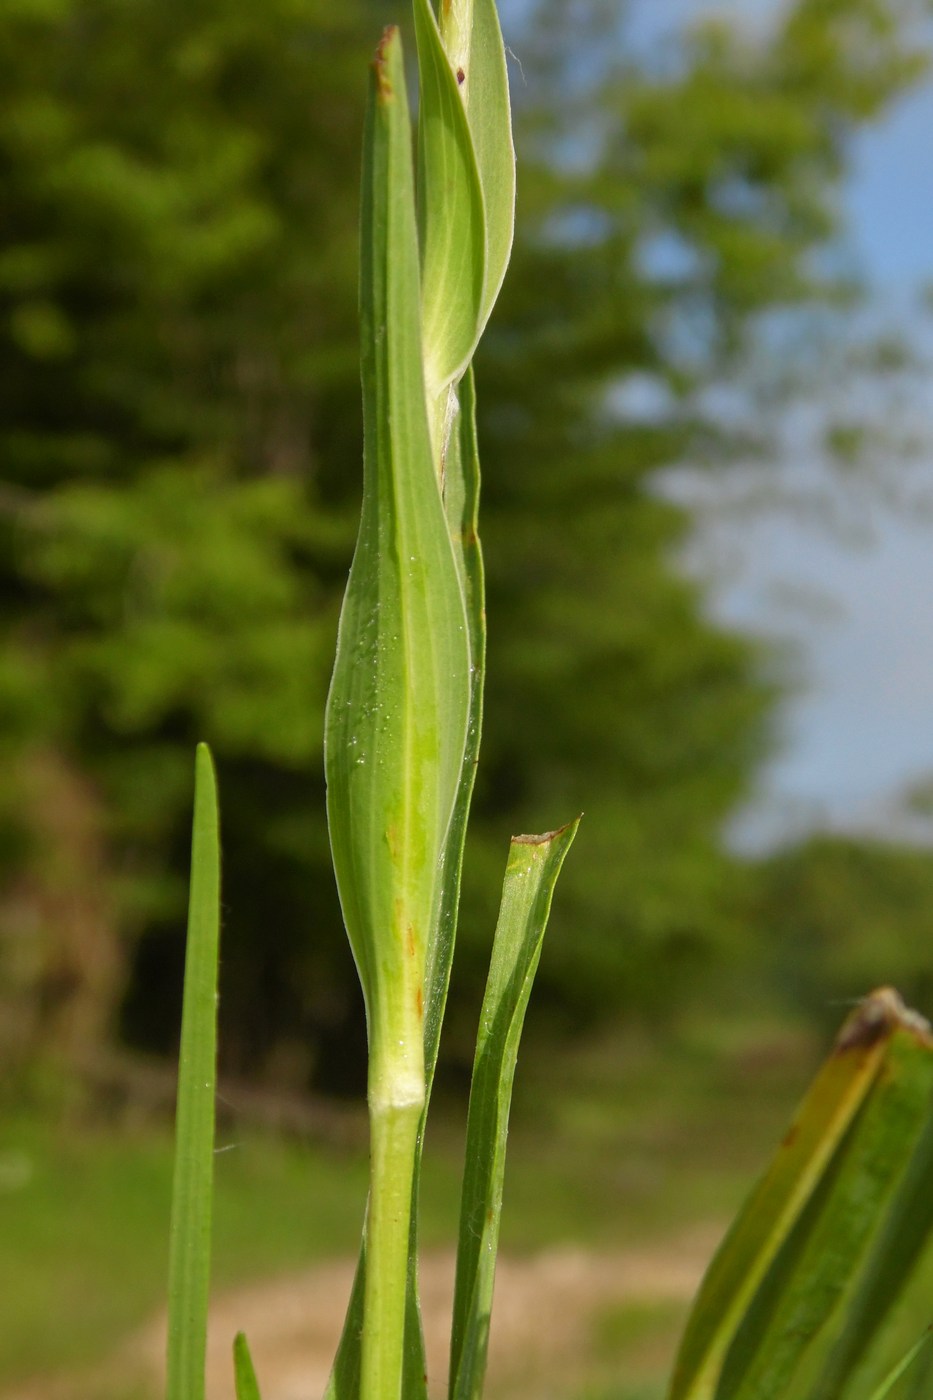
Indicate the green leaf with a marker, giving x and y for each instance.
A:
(533, 867)
(813, 1275)
(451, 217)
(398, 706)
(247, 1386)
(190, 1238)
(878, 1035)
(461, 502)
(473, 40)
(906, 1230)
(396, 723)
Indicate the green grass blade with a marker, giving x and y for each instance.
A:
(247, 1386)
(814, 1273)
(777, 1203)
(533, 867)
(451, 216)
(473, 40)
(190, 1239)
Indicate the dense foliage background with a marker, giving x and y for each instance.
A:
(180, 437)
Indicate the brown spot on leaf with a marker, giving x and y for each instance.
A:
(419, 1004)
(410, 944)
(543, 839)
(461, 76)
(878, 1016)
(790, 1137)
(380, 63)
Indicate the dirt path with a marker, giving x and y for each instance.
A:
(544, 1309)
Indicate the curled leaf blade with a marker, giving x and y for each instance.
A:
(473, 39)
(451, 214)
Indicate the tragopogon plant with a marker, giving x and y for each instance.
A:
(403, 715)
(403, 720)
(797, 1294)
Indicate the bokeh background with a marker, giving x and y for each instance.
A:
(707, 520)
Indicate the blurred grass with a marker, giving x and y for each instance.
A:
(620, 1142)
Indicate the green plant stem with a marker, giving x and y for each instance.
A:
(393, 1149)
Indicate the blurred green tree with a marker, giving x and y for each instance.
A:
(178, 411)
(839, 915)
(179, 425)
(675, 218)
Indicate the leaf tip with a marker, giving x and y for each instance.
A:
(880, 1013)
(544, 838)
(384, 89)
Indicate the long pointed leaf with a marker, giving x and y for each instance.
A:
(813, 1275)
(533, 867)
(190, 1239)
(451, 215)
(398, 705)
(907, 1229)
(473, 40)
(247, 1386)
(766, 1221)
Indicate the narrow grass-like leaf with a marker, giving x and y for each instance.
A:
(247, 1386)
(815, 1269)
(772, 1211)
(533, 867)
(192, 1189)
(451, 217)
(907, 1229)
(473, 40)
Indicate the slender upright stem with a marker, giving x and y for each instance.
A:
(393, 1147)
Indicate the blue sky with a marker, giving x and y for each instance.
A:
(860, 726)
(857, 726)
